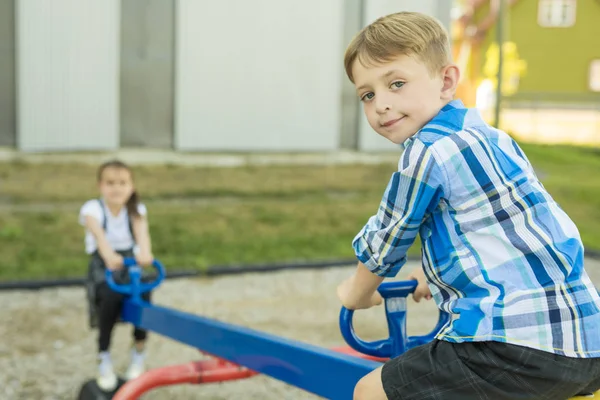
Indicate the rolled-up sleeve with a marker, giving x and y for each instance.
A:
(412, 193)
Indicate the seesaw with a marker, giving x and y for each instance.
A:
(237, 352)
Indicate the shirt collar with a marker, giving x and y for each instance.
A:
(453, 116)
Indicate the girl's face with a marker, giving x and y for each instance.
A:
(116, 185)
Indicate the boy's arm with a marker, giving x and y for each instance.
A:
(413, 192)
(360, 290)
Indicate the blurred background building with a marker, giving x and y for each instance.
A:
(551, 65)
(267, 75)
(189, 75)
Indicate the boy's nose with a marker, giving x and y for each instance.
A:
(382, 103)
(382, 107)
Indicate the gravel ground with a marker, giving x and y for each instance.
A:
(47, 350)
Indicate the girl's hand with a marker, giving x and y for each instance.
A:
(114, 261)
(144, 259)
(422, 290)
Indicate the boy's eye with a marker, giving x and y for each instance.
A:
(367, 96)
(397, 84)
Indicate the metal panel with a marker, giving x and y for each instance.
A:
(7, 73)
(68, 74)
(147, 61)
(351, 110)
(369, 140)
(261, 75)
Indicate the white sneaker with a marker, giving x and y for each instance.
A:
(107, 379)
(137, 365)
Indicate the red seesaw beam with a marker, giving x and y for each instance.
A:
(206, 371)
(197, 372)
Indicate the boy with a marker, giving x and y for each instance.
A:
(498, 252)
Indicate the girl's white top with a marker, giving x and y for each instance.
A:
(117, 227)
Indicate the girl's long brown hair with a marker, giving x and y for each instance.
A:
(134, 199)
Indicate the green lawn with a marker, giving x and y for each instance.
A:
(256, 231)
(215, 216)
(30, 183)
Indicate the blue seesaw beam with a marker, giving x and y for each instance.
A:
(315, 369)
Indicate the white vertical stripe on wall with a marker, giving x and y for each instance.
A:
(368, 139)
(258, 75)
(68, 74)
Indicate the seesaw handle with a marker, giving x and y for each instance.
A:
(394, 295)
(136, 287)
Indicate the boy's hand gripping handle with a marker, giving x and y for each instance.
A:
(136, 287)
(394, 295)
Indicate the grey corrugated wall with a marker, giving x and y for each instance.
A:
(7, 73)
(147, 86)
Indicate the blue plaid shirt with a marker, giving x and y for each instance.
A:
(498, 251)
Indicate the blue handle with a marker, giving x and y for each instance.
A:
(394, 295)
(136, 287)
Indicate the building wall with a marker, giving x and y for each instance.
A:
(564, 76)
(260, 75)
(234, 75)
(350, 115)
(147, 73)
(574, 48)
(8, 129)
(68, 75)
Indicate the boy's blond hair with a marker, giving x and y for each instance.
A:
(403, 33)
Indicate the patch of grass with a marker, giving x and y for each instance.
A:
(276, 214)
(49, 245)
(30, 183)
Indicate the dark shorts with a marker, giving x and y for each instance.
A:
(442, 370)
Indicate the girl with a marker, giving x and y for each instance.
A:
(116, 227)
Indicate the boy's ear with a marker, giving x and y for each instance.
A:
(450, 78)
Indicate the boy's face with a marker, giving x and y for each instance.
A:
(399, 97)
